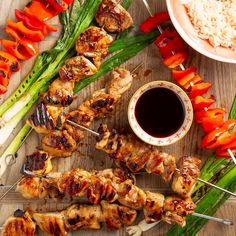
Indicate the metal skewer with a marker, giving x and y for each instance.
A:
(232, 155)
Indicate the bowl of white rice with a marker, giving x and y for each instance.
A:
(208, 26)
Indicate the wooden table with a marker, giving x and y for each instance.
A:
(222, 75)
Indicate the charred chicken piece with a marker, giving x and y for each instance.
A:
(113, 17)
(83, 217)
(20, 224)
(185, 180)
(153, 208)
(59, 143)
(60, 93)
(46, 118)
(39, 162)
(94, 43)
(77, 68)
(128, 151)
(176, 209)
(51, 223)
(115, 215)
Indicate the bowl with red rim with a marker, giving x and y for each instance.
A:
(184, 27)
(179, 132)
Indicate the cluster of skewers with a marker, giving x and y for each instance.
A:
(63, 131)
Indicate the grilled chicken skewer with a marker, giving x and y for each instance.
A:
(75, 217)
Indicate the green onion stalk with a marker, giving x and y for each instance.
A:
(124, 47)
(219, 171)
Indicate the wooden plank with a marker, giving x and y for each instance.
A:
(220, 74)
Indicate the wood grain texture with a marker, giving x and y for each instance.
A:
(223, 77)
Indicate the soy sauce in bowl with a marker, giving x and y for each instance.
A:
(160, 112)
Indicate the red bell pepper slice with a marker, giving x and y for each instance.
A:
(34, 36)
(58, 5)
(201, 103)
(212, 122)
(179, 74)
(210, 112)
(39, 10)
(5, 68)
(175, 60)
(152, 22)
(5, 73)
(16, 49)
(30, 47)
(223, 150)
(10, 60)
(3, 89)
(221, 136)
(68, 1)
(199, 89)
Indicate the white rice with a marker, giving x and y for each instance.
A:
(214, 20)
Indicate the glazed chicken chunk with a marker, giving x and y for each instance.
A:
(94, 43)
(185, 179)
(19, 225)
(46, 117)
(113, 17)
(60, 93)
(77, 68)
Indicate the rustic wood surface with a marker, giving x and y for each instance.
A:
(223, 77)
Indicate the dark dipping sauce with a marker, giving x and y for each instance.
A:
(159, 112)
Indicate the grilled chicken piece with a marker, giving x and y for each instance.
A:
(185, 180)
(131, 196)
(94, 43)
(51, 223)
(83, 217)
(121, 80)
(176, 209)
(59, 143)
(128, 151)
(115, 215)
(46, 118)
(60, 93)
(153, 207)
(76, 133)
(39, 162)
(77, 68)
(113, 17)
(19, 225)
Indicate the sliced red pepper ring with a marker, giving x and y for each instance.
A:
(223, 150)
(179, 74)
(210, 112)
(199, 89)
(34, 36)
(176, 59)
(16, 49)
(5, 68)
(39, 10)
(30, 47)
(10, 60)
(58, 5)
(3, 89)
(221, 136)
(201, 103)
(152, 22)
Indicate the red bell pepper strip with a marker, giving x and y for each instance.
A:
(223, 150)
(179, 74)
(58, 5)
(210, 112)
(5, 68)
(10, 60)
(39, 10)
(3, 89)
(152, 22)
(200, 103)
(34, 36)
(29, 46)
(221, 136)
(5, 73)
(175, 60)
(199, 89)
(16, 49)
(212, 122)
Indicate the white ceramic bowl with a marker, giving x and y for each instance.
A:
(179, 134)
(185, 28)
